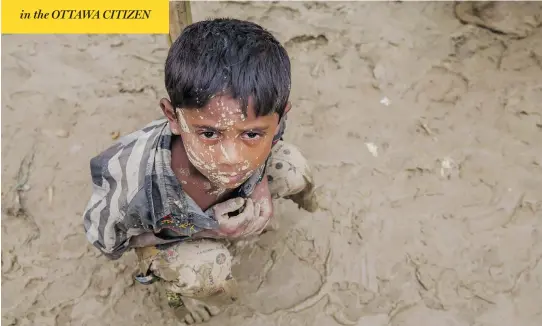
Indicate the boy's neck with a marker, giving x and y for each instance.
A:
(195, 184)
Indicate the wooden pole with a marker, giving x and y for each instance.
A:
(180, 16)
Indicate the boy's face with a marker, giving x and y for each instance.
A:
(221, 142)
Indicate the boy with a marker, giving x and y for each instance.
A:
(179, 187)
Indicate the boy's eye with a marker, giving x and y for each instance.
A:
(209, 135)
(252, 135)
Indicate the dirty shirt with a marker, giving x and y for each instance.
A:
(135, 191)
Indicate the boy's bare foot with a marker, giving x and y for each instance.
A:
(194, 311)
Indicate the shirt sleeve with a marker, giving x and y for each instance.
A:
(102, 219)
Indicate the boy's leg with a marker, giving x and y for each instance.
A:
(196, 277)
(290, 176)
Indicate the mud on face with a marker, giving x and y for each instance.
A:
(223, 143)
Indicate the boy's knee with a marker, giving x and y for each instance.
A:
(288, 171)
(199, 270)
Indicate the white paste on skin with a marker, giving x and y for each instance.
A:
(182, 121)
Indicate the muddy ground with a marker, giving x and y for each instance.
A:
(425, 134)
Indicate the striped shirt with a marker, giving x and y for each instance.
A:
(135, 191)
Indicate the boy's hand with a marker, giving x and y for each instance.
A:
(261, 219)
(233, 226)
(255, 215)
(262, 196)
(252, 220)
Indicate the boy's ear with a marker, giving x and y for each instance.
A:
(167, 108)
(170, 114)
(288, 107)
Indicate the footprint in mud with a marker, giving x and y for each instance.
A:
(9, 320)
(346, 302)
(63, 315)
(518, 21)
(281, 11)
(441, 85)
(307, 42)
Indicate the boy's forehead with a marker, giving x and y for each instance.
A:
(222, 106)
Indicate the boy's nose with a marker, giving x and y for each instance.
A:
(230, 153)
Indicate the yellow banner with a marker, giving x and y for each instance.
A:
(85, 17)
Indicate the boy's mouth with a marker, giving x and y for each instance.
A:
(230, 179)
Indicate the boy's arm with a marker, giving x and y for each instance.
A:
(103, 217)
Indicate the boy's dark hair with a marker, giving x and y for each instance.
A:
(228, 56)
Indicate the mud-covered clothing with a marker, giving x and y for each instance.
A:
(135, 191)
(201, 269)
